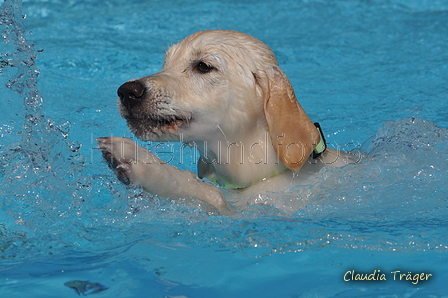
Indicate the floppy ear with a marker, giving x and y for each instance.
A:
(292, 133)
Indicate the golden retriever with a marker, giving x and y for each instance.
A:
(223, 93)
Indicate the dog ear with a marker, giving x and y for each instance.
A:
(292, 133)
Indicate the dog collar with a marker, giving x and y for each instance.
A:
(322, 145)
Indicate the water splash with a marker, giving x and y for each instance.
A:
(41, 171)
(24, 82)
(49, 203)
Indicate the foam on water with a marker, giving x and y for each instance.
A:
(60, 214)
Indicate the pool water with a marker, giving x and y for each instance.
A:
(373, 73)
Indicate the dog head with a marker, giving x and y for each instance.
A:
(214, 83)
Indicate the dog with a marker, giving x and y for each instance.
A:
(223, 93)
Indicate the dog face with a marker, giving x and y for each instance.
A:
(208, 86)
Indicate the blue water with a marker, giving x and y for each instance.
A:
(373, 73)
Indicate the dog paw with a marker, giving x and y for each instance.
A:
(113, 150)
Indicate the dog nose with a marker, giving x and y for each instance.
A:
(131, 93)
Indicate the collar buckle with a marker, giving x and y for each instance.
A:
(322, 145)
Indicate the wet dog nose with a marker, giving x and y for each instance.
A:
(131, 93)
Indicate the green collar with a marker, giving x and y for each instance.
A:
(322, 145)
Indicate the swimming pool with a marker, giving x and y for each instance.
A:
(361, 68)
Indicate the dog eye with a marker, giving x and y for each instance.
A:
(202, 67)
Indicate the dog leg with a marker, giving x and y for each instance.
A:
(136, 165)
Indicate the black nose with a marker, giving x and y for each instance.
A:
(131, 93)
